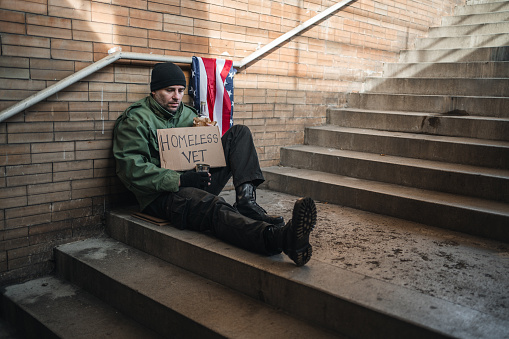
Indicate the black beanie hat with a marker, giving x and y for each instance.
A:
(166, 74)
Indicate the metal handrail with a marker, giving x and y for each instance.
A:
(117, 55)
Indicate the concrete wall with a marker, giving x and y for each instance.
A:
(56, 171)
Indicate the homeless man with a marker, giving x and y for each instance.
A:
(189, 199)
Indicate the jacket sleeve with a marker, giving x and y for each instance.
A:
(137, 158)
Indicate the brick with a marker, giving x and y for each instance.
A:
(48, 230)
(95, 154)
(29, 41)
(89, 192)
(51, 32)
(146, 19)
(20, 138)
(22, 170)
(30, 85)
(73, 136)
(47, 188)
(11, 16)
(24, 51)
(76, 9)
(73, 175)
(71, 214)
(27, 220)
(52, 157)
(29, 128)
(165, 7)
(141, 4)
(71, 204)
(96, 27)
(27, 211)
(178, 24)
(14, 28)
(108, 13)
(131, 41)
(12, 202)
(71, 55)
(24, 6)
(15, 238)
(98, 145)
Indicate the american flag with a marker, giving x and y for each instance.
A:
(211, 87)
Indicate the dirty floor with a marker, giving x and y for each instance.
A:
(467, 270)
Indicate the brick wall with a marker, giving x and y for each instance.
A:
(56, 171)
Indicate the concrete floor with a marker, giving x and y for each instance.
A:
(466, 270)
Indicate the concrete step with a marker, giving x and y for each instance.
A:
(170, 300)
(467, 151)
(473, 105)
(465, 30)
(464, 180)
(492, 69)
(438, 86)
(482, 8)
(477, 18)
(466, 41)
(357, 305)
(478, 2)
(50, 307)
(419, 122)
(456, 55)
(459, 213)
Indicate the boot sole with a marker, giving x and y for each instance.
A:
(303, 222)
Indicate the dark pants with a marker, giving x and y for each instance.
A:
(202, 210)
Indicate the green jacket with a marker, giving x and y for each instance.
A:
(136, 150)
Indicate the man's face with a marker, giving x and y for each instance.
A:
(169, 97)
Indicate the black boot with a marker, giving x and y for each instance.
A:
(247, 206)
(293, 238)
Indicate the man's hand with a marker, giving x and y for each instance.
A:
(195, 179)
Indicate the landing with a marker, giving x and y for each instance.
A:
(463, 269)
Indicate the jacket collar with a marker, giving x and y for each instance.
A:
(163, 112)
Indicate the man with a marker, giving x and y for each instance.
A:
(189, 200)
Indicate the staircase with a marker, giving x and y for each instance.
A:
(401, 149)
(428, 141)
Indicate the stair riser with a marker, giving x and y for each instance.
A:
(445, 70)
(26, 325)
(426, 124)
(454, 31)
(466, 87)
(478, 155)
(483, 8)
(128, 301)
(473, 185)
(478, 18)
(274, 288)
(456, 55)
(454, 218)
(463, 42)
(492, 107)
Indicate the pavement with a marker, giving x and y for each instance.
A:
(459, 268)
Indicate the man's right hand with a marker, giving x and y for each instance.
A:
(195, 179)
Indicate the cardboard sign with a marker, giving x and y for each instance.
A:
(180, 149)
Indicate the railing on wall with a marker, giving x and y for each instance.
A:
(117, 55)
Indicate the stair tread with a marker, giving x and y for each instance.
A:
(70, 312)
(375, 295)
(420, 114)
(205, 302)
(422, 163)
(447, 199)
(447, 70)
(415, 136)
